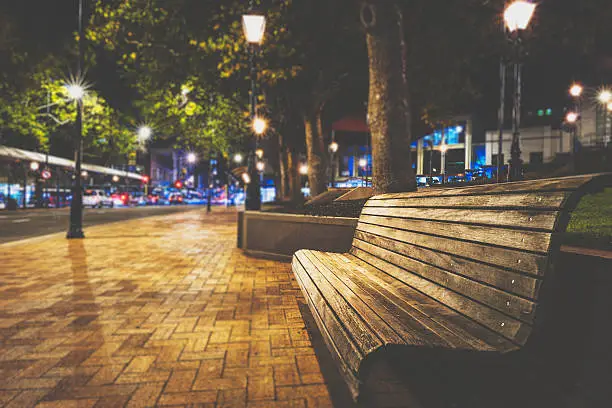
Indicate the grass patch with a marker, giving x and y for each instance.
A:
(591, 222)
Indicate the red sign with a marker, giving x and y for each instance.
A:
(46, 174)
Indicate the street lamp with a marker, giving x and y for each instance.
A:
(34, 166)
(76, 93)
(260, 166)
(238, 158)
(517, 17)
(605, 98)
(443, 150)
(191, 158)
(304, 169)
(259, 153)
(333, 149)
(144, 133)
(115, 179)
(576, 90)
(254, 27)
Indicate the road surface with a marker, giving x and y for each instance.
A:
(22, 224)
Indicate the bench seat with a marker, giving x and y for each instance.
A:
(455, 269)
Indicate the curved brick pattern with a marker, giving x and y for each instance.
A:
(152, 312)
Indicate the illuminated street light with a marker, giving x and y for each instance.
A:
(34, 166)
(259, 153)
(605, 97)
(333, 147)
(260, 126)
(84, 174)
(363, 163)
(76, 92)
(254, 28)
(191, 158)
(246, 178)
(115, 179)
(144, 133)
(238, 158)
(576, 90)
(261, 166)
(304, 169)
(518, 15)
(571, 117)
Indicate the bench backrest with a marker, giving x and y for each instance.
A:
(483, 251)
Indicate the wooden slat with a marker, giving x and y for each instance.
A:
(514, 306)
(558, 184)
(367, 340)
(508, 327)
(553, 200)
(398, 313)
(334, 345)
(508, 281)
(330, 285)
(525, 240)
(327, 321)
(544, 220)
(508, 258)
(419, 304)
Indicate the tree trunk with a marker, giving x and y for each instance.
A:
(389, 108)
(293, 176)
(283, 185)
(315, 148)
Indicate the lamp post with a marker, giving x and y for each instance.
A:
(333, 149)
(443, 150)
(605, 98)
(76, 92)
(254, 26)
(576, 91)
(517, 17)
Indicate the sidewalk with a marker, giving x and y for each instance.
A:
(155, 311)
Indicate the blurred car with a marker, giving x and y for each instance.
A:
(121, 199)
(97, 199)
(176, 198)
(137, 199)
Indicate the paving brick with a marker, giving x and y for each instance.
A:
(171, 315)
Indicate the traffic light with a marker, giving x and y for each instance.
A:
(178, 184)
(145, 179)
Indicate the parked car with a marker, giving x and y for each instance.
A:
(176, 198)
(97, 199)
(120, 198)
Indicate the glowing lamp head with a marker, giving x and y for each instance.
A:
(238, 158)
(571, 117)
(191, 158)
(259, 126)
(260, 166)
(144, 133)
(518, 15)
(605, 97)
(84, 173)
(304, 169)
(115, 179)
(259, 153)
(34, 166)
(76, 92)
(333, 147)
(246, 178)
(145, 179)
(363, 163)
(254, 27)
(576, 90)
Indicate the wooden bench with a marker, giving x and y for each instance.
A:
(456, 269)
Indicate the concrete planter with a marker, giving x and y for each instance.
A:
(279, 236)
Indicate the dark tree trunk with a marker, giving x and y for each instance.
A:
(389, 109)
(315, 147)
(283, 185)
(293, 176)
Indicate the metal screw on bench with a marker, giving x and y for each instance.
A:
(517, 16)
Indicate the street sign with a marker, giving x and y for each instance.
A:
(46, 174)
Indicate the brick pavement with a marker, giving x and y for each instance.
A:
(160, 311)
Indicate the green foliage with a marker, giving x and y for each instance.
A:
(591, 222)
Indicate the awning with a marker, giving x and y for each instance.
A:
(18, 154)
(351, 124)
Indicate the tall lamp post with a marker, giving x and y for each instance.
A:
(605, 98)
(76, 92)
(576, 91)
(517, 17)
(254, 26)
(333, 149)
